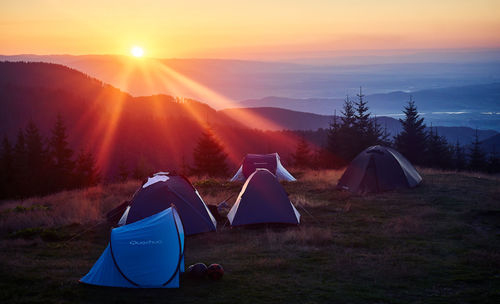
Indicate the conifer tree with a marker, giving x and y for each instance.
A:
(411, 141)
(36, 161)
(375, 135)
(477, 159)
(342, 135)
(60, 155)
(87, 173)
(367, 131)
(459, 157)
(362, 120)
(438, 153)
(302, 155)
(209, 155)
(385, 136)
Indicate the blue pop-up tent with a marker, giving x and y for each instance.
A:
(148, 253)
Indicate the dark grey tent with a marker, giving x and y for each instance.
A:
(378, 169)
(163, 190)
(270, 162)
(262, 200)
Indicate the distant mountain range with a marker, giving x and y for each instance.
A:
(160, 130)
(449, 92)
(472, 98)
(294, 120)
(492, 144)
(242, 79)
(475, 106)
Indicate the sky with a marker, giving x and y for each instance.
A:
(244, 29)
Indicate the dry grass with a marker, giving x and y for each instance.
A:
(320, 178)
(437, 243)
(302, 236)
(68, 207)
(301, 200)
(479, 175)
(410, 223)
(218, 197)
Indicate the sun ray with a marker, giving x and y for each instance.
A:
(217, 100)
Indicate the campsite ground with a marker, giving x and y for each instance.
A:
(438, 243)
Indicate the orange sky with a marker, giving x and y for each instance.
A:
(244, 29)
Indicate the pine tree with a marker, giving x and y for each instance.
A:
(341, 135)
(302, 155)
(361, 113)
(477, 159)
(375, 135)
(36, 161)
(385, 137)
(209, 156)
(438, 152)
(355, 132)
(411, 141)
(60, 155)
(87, 173)
(363, 126)
(348, 114)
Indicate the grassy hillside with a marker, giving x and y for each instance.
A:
(438, 243)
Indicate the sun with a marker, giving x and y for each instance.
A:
(137, 51)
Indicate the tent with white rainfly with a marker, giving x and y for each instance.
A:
(271, 162)
(148, 253)
(263, 200)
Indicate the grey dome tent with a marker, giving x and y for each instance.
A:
(379, 169)
(263, 200)
(163, 190)
(270, 162)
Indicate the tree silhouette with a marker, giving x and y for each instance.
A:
(87, 173)
(459, 157)
(438, 153)
(209, 156)
(412, 140)
(340, 135)
(477, 159)
(60, 155)
(36, 161)
(302, 155)
(362, 124)
(355, 132)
